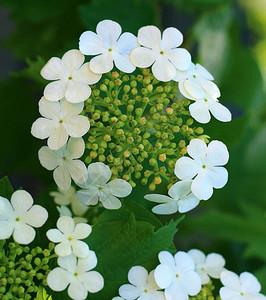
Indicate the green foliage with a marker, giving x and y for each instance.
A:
(42, 294)
(6, 189)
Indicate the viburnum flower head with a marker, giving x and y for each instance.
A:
(177, 276)
(68, 236)
(180, 199)
(97, 189)
(204, 167)
(110, 46)
(64, 162)
(161, 51)
(243, 287)
(20, 216)
(142, 287)
(71, 75)
(77, 275)
(207, 266)
(61, 120)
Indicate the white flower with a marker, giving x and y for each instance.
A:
(161, 52)
(64, 162)
(19, 216)
(109, 46)
(177, 276)
(68, 236)
(72, 78)
(76, 272)
(65, 211)
(205, 165)
(212, 265)
(243, 287)
(97, 189)
(143, 285)
(195, 83)
(181, 199)
(69, 197)
(61, 120)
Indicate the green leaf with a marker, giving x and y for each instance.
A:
(42, 294)
(6, 189)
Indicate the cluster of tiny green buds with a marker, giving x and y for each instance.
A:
(206, 293)
(23, 270)
(138, 127)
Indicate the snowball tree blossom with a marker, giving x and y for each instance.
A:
(65, 211)
(64, 162)
(61, 120)
(97, 189)
(72, 77)
(143, 285)
(161, 51)
(20, 216)
(177, 276)
(110, 46)
(68, 236)
(245, 286)
(205, 167)
(69, 197)
(181, 199)
(196, 82)
(75, 273)
(206, 267)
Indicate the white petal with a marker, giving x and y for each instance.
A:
(66, 225)
(209, 87)
(180, 58)
(214, 264)
(183, 91)
(143, 57)
(129, 291)
(157, 198)
(197, 256)
(126, 43)
(21, 201)
(193, 87)
(54, 69)
(88, 263)
(175, 291)
(150, 36)
(7, 228)
(91, 44)
(186, 168)
(55, 235)
(80, 249)
(69, 109)
(202, 186)
(201, 71)
(77, 126)
(183, 75)
(81, 231)
(68, 262)
(89, 196)
(58, 279)
(219, 111)
(249, 283)
(166, 258)
(172, 38)
(99, 173)
(77, 290)
(24, 234)
(230, 280)
(62, 178)
(63, 249)
(119, 188)
(85, 75)
(55, 90)
(42, 128)
(123, 63)
(166, 209)
(58, 138)
(197, 149)
(187, 203)
(191, 282)
(93, 281)
(36, 216)
(138, 276)
(152, 285)
(77, 91)
(77, 170)
(217, 154)
(48, 158)
(6, 209)
(102, 63)
(163, 69)
(49, 109)
(109, 201)
(184, 263)
(218, 177)
(228, 293)
(180, 189)
(75, 147)
(200, 111)
(72, 60)
(163, 276)
(109, 31)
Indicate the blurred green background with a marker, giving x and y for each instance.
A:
(227, 37)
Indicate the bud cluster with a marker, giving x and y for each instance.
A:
(138, 127)
(23, 270)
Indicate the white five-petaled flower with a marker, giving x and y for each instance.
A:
(161, 51)
(143, 286)
(64, 162)
(110, 47)
(69, 197)
(205, 165)
(212, 265)
(177, 276)
(61, 120)
(97, 189)
(76, 272)
(181, 199)
(72, 78)
(243, 287)
(68, 237)
(19, 216)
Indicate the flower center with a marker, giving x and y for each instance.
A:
(70, 239)
(69, 78)
(204, 167)
(60, 121)
(145, 291)
(161, 52)
(75, 274)
(202, 269)
(17, 219)
(64, 158)
(205, 100)
(110, 49)
(242, 294)
(176, 275)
